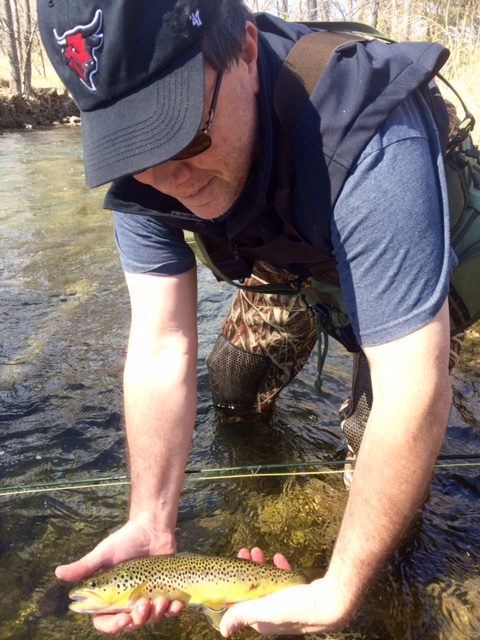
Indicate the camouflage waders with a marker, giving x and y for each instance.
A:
(265, 341)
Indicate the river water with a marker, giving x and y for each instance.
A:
(64, 322)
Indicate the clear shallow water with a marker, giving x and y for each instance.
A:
(64, 322)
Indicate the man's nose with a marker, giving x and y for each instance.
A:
(167, 175)
(173, 172)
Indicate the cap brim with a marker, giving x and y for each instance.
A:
(147, 127)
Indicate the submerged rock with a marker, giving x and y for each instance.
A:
(54, 602)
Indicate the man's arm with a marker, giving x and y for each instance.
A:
(412, 398)
(160, 395)
(160, 407)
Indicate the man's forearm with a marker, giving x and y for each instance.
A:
(160, 407)
(411, 404)
(392, 475)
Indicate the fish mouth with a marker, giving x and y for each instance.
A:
(86, 601)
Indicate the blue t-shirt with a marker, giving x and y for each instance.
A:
(390, 232)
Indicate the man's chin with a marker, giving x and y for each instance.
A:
(212, 210)
(213, 215)
(214, 201)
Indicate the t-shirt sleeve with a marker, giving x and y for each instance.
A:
(146, 245)
(391, 232)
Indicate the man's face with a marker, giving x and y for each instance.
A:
(209, 183)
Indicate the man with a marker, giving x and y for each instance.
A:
(178, 108)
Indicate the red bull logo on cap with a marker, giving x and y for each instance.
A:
(79, 46)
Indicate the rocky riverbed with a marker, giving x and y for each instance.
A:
(43, 107)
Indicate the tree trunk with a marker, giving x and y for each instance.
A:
(375, 12)
(407, 19)
(351, 10)
(28, 35)
(312, 10)
(13, 50)
(325, 10)
(282, 6)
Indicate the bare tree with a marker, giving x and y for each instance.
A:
(28, 34)
(13, 54)
(18, 24)
(312, 10)
(375, 5)
(282, 7)
(325, 10)
(407, 18)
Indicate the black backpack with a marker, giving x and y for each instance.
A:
(462, 157)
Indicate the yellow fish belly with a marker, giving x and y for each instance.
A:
(211, 582)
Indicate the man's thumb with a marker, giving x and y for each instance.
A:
(78, 570)
(237, 617)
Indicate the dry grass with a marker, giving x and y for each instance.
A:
(463, 66)
(464, 77)
(455, 25)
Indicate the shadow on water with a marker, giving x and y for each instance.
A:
(64, 313)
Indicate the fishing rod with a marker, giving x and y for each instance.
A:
(292, 469)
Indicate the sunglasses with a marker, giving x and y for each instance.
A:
(203, 140)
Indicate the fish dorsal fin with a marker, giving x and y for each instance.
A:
(213, 612)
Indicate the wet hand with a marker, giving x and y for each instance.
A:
(144, 612)
(300, 609)
(134, 539)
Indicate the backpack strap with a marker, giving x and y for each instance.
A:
(301, 71)
(291, 93)
(344, 26)
(197, 245)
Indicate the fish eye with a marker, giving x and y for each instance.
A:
(93, 584)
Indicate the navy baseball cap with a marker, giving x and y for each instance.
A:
(135, 70)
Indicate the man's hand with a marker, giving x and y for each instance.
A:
(134, 539)
(160, 406)
(294, 610)
(407, 423)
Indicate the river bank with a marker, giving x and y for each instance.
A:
(44, 107)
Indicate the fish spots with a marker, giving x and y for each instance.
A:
(192, 578)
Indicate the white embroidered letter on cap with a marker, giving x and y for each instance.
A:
(196, 19)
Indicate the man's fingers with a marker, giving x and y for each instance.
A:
(159, 609)
(114, 623)
(258, 555)
(175, 608)
(244, 554)
(141, 612)
(280, 561)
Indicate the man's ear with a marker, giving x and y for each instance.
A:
(249, 53)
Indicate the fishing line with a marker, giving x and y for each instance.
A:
(226, 473)
(314, 463)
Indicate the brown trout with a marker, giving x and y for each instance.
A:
(209, 582)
